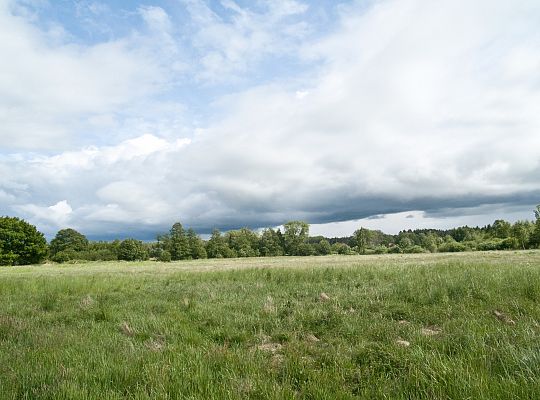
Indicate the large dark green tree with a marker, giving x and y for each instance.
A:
(178, 242)
(20, 242)
(217, 246)
(68, 240)
(196, 245)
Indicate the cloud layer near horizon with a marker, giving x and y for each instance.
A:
(404, 105)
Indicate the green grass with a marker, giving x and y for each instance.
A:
(258, 328)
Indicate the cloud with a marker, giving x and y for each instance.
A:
(229, 47)
(53, 90)
(57, 215)
(425, 109)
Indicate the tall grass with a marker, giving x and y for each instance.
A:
(399, 327)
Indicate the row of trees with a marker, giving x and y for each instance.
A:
(21, 243)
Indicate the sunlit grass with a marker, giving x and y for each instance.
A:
(394, 326)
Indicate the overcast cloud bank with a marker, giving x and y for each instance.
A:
(402, 106)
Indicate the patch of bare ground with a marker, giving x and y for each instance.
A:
(267, 345)
(503, 317)
(324, 297)
(87, 301)
(312, 338)
(431, 330)
(156, 344)
(269, 307)
(126, 329)
(403, 343)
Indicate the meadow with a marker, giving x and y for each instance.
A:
(403, 326)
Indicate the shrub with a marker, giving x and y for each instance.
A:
(164, 256)
(20, 242)
(414, 249)
(452, 247)
(132, 250)
(380, 250)
(65, 256)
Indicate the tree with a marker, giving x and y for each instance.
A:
(244, 242)
(270, 243)
(217, 246)
(20, 242)
(178, 243)
(501, 229)
(323, 247)
(296, 234)
(535, 237)
(132, 250)
(341, 248)
(362, 237)
(522, 231)
(68, 240)
(196, 245)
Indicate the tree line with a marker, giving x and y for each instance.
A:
(21, 243)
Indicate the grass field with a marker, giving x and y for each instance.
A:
(460, 326)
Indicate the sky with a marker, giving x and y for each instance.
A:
(120, 118)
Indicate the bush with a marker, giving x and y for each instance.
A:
(65, 256)
(20, 242)
(414, 249)
(452, 247)
(132, 250)
(380, 250)
(341, 248)
(164, 256)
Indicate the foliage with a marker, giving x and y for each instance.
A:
(296, 233)
(68, 240)
(196, 245)
(341, 248)
(217, 246)
(20, 242)
(243, 242)
(178, 244)
(270, 243)
(132, 250)
(362, 239)
(323, 248)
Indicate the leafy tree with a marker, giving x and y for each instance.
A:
(323, 247)
(341, 248)
(362, 238)
(20, 242)
(196, 245)
(535, 236)
(296, 234)
(99, 251)
(244, 242)
(132, 250)
(270, 243)
(217, 246)
(429, 241)
(501, 229)
(68, 239)
(522, 231)
(178, 243)
(164, 256)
